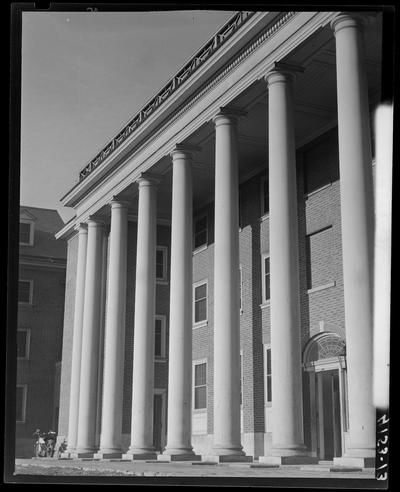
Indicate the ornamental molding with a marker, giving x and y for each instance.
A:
(141, 154)
(230, 27)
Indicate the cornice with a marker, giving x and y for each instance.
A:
(148, 151)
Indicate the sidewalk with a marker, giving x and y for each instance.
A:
(152, 468)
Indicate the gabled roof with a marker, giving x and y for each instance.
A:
(46, 223)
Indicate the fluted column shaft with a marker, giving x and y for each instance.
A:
(287, 407)
(227, 439)
(357, 230)
(77, 338)
(113, 374)
(180, 335)
(90, 340)
(143, 353)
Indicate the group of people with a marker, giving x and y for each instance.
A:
(45, 443)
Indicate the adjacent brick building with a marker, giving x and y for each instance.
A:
(42, 264)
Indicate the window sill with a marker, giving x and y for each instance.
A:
(162, 282)
(160, 359)
(314, 192)
(321, 287)
(200, 324)
(199, 410)
(265, 304)
(264, 217)
(200, 249)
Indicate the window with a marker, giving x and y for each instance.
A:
(241, 288)
(240, 205)
(264, 196)
(200, 302)
(159, 337)
(200, 386)
(20, 409)
(161, 263)
(25, 289)
(26, 233)
(200, 231)
(23, 339)
(268, 380)
(241, 377)
(319, 255)
(266, 278)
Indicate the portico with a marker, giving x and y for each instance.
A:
(246, 113)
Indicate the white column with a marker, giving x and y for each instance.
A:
(180, 336)
(77, 338)
(287, 403)
(90, 341)
(143, 344)
(227, 439)
(114, 342)
(357, 234)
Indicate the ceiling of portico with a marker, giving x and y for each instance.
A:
(314, 112)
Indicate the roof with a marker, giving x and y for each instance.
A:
(46, 223)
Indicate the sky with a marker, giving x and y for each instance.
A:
(84, 76)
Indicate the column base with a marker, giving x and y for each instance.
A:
(132, 455)
(288, 460)
(227, 458)
(82, 454)
(354, 461)
(179, 457)
(66, 455)
(107, 455)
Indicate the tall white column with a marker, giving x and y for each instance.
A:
(227, 439)
(357, 235)
(287, 403)
(77, 338)
(114, 342)
(180, 336)
(143, 344)
(90, 341)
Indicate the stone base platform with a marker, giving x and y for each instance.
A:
(107, 456)
(227, 458)
(139, 456)
(354, 462)
(288, 460)
(178, 457)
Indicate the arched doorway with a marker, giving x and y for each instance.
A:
(324, 359)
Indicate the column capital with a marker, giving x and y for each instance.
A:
(283, 72)
(184, 150)
(116, 202)
(228, 115)
(348, 19)
(148, 179)
(81, 227)
(94, 221)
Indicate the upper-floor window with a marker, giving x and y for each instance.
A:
(264, 196)
(20, 408)
(319, 258)
(159, 337)
(241, 288)
(200, 386)
(25, 291)
(200, 230)
(268, 374)
(26, 233)
(266, 277)
(161, 263)
(200, 302)
(23, 342)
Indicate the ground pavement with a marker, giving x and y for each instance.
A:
(37, 468)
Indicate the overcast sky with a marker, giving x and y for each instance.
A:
(84, 75)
